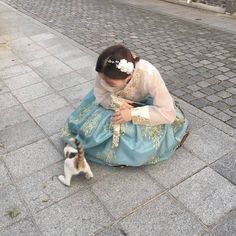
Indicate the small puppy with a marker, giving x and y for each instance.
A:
(75, 163)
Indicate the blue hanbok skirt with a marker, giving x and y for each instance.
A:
(138, 144)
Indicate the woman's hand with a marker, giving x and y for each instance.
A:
(126, 105)
(122, 116)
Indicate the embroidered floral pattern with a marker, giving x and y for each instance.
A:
(90, 125)
(153, 133)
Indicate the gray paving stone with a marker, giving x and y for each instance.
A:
(27, 47)
(32, 92)
(23, 80)
(19, 135)
(114, 230)
(66, 81)
(29, 56)
(7, 101)
(84, 215)
(77, 92)
(198, 94)
(222, 77)
(41, 189)
(221, 105)
(200, 103)
(207, 234)
(176, 169)
(218, 63)
(193, 87)
(163, 216)
(67, 55)
(58, 142)
(81, 62)
(223, 94)
(194, 122)
(207, 90)
(217, 87)
(223, 69)
(226, 84)
(9, 61)
(51, 43)
(227, 228)
(206, 143)
(233, 80)
(4, 175)
(12, 116)
(52, 122)
(45, 105)
(14, 71)
(188, 97)
(203, 84)
(226, 166)
(213, 98)
(3, 88)
(50, 66)
(211, 67)
(207, 194)
(22, 228)
(178, 92)
(231, 90)
(21, 42)
(222, 116)
(205, 62)
(230, 74)
(9, 201)
(88, 73)
(31, 158)
(42, 36)
(112, 191)
(231, 112)
(230, 101)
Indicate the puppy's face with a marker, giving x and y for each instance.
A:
(70, 152)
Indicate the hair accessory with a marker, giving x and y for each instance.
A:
(123, 65)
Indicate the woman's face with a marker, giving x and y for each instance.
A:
(116, 82)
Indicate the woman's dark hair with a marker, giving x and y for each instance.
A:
(114, 53)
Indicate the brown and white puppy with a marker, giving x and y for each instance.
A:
(74, 163)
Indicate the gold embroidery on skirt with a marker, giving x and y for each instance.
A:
(84, 111)
(127, 129)
(108, 127)
(91, 123)
(154, 134)
(153, 160)
(107, 155)
(178, 122)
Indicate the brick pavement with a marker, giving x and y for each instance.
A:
(197, 62)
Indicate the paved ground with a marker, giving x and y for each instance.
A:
(198, 62)
(43, 76)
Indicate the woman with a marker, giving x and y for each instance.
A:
(129, 118)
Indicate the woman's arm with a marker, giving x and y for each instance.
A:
(162, 111)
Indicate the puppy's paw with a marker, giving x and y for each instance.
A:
(89, 175)
(63, 180)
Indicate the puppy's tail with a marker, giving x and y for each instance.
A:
(80, 163)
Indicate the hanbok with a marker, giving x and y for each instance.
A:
(154, 133)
